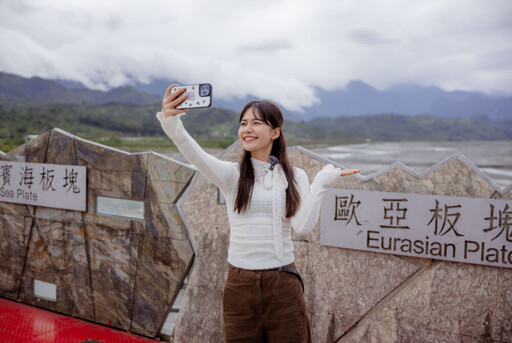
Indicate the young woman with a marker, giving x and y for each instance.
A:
(265, 199)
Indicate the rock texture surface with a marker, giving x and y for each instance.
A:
(356, 296)
(112, 270)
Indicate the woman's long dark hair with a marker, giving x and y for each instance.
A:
(271, 115)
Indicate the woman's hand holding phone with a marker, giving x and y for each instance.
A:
(172, 100)
(179, 99)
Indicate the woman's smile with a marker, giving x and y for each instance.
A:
(249, 138)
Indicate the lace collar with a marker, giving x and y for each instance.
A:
(260, 169)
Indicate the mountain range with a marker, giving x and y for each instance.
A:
(15, 88)
(356, 99)
(359, 98)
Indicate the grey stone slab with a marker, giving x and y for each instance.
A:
(14, 231)
(455, 178)
(58, 247)
(454, 300)
(168, 269)
(161, 269)
(112, 294)
(13, 209)
(109, 245)
(202, 320)
(165, 191)
(335, 280)
(113, 249)
(163, 220)
(9, 281)
(165, 169)
(111, 182)
(102, 157)
(57, 263)
(61, 149)
(507, 195)
(329, 326)
(91, 220)
(500, 321)
(138, 186)
(33, 151)
(176, 227)
(56, 214)
(146, 322)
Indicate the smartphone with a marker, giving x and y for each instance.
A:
(199, 95)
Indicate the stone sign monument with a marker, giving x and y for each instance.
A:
(122, 259)
(384, 265)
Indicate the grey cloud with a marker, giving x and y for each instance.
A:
(20, 6)
(297, 44)
(368, 36)
(269, 46)
(114, 23)
(498, 59)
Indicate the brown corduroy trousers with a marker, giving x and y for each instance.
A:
(264, 306)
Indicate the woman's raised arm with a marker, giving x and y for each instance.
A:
(217, 171)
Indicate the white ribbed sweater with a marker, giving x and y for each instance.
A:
(260, 237)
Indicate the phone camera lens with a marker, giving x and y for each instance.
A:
(204, 90)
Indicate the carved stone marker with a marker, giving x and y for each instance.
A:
(122, 270)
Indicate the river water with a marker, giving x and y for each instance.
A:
(493, 158)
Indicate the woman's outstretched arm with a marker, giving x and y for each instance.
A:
(307, 215)
(216, 171)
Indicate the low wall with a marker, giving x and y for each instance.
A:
(127, 272)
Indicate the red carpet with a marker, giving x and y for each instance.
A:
(21, 323)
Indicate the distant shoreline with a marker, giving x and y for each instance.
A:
(494, 158)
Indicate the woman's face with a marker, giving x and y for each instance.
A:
(257, 136)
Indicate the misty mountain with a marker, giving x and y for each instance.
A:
(15, 88)
(359, 98)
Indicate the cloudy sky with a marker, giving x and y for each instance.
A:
(278, 49)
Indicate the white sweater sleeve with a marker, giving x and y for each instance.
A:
(307, 215)
(218, 172)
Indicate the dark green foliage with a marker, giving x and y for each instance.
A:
(111, 123)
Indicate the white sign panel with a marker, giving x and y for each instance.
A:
(41, 184)
(429, 226)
